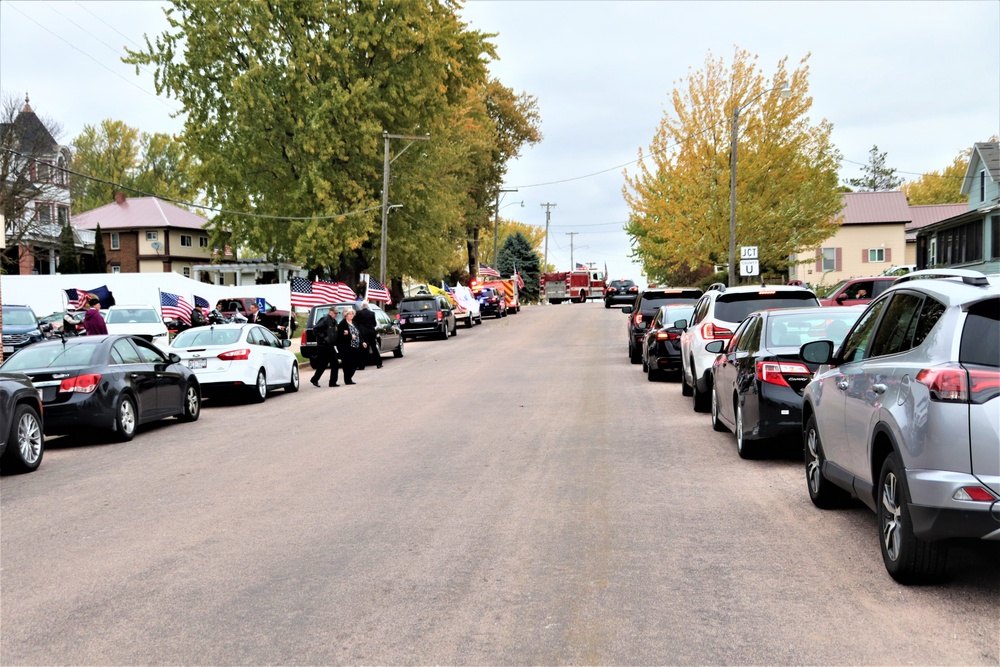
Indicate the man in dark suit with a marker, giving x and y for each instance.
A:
(325, 333)
(366, 323)
(255, 316)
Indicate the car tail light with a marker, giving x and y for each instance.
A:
(440, 316)
(612, 289)
(81, 384)
(975, 493)
(766, 291)
(303, 341)
(633, 289)
(637, 319)
(666, 335)
(709, 331)
(241, 354)
(774, 372)
(952, 383)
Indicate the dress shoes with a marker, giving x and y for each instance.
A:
(350, 382)
(314, 383)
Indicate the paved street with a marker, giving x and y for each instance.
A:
(518, 494)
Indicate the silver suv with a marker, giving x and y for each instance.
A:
(906, 417)
(716, 316)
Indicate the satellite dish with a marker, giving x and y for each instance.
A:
(157, 245)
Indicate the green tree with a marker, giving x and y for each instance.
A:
(678, 195)
(285, 108)
(533, 233)
(940, 187)
(68, 261)
(100, 255)
(876, 176)
(517, 251)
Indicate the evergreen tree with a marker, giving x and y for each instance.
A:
(875, 176)
(517, 250)
(68, 262)
(100, 257)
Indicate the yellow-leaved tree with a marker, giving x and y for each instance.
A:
(787, 185)
(940, 187)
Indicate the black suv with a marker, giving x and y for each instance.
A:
(427, 315)
(20, 328)
(491, 302)
(643, 310)
(388, 335)
(620, 291)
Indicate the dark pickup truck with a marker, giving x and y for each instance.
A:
(274, 319)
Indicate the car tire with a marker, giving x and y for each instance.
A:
(25, 443)
(747, 449)
(126, 419)
(398, 352)
(685, 387)
(258, 392)
(717, 424)
(653, 374)
(701, 401)
(443, 334)
(192, 404)
(634, 355)
(294, 380)
(454, 330)
(468, 322)
(907, 558)
(822, 492)
(607, 304)
(645, 364)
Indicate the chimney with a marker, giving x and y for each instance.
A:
(119, 198)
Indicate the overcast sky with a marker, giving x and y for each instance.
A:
(921, 80)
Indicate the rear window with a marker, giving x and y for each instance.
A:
(622, 284)
(650, 302)
(132, 316)
(417, 305)
(203, 336)
(51, 356)
(980, 336)
(735, 307)
(796, 329)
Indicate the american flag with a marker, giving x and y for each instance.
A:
(581, 267)
(517, 276)
(488, 271)
(377, 291)
(175, 307)
(200, 302)
(77, 298)
(308, 294)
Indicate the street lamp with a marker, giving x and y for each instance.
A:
(786, 92)
(496, 224)
(385, 190)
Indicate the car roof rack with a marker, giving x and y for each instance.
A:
(968, 276)
(720, 287)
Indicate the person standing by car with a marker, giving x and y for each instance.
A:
(198, 317)
(93, 322)
(325, 333)
(366, 323)
(350, 345)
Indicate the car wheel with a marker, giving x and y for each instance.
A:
(747, 449)
(701, 401)
(716, 423)
(823, 493)
(907, 558)
(607, 304)
(468, 322)
(454, 329)
(653, 374)
(398, 352)
(192, 404)
(126, 419)
(634, 355)
(259, 390)
(443, 334)
(685, 387)
(293, 382)
(26, 443)
(645, 364)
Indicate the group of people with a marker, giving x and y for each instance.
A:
(348, 343)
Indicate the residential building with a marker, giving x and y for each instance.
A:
(970, 239)
(924, 215)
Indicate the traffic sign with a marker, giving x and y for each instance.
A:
(750, 267)
(748, 252)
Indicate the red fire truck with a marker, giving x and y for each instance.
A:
(578, 285)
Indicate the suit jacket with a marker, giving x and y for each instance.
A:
(365, 321)
(325, 331)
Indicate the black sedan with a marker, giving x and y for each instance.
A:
(114, 383)
(661, 347)
(620, 291)
(644, 308)
(21, 441)
(758, 377)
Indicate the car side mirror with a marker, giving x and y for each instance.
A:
(174, 358)
(817, 352)
(841, 297)
(716, 346)
(681, 324)
(627, 310)
(286, 342)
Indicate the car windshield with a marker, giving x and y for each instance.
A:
(417, 305)
(18, 317)
(132, 316)
(671, 315)
(651, 301)
(51, 356)
(734, 307)
(622, 284)
(795, 329)
(204, 336)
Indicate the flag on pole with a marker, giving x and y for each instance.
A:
(200, 302)
(308, 294)
(377, 291)
(581, 267)
(77, 298)
(517, 276)
(488, 271)
(175, 307)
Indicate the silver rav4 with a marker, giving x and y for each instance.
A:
(906, 417)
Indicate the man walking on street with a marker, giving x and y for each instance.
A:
(325, 332)
(366, 323)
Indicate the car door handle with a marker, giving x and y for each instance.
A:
(843, 385)
(879, 388)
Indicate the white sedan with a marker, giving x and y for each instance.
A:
(238, 357)
(141, 321)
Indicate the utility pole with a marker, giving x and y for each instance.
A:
(385, 190)
(548, 211)
(496, 226)
(572, 266)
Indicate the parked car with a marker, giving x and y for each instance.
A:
(643, 310)
(114, 383)
(427, 315)
(905, 415)
(238, 358)
(716, 316)
(21, 436)
(388, 333)
(857, 291)
(69, 322)
(661, 346)
(899, 270)
(491, 302)
(279, 322)
(20, 328)
(620, 291)
(141, 321)
(758, 377)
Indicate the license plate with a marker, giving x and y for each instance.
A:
(416, 319)
(8, 349)
(196, 363)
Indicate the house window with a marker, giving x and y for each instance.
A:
(829, 259)
(61, 173)
(115, 241)
(44, 172)
(186, 241)
(961, 244)
(876, 254)
(995, 237)
(44, 213)
(982, 185)
(187, 271)
(150, 236)
(116, 268)
(63, 213)
(932, 259)
(203, 242)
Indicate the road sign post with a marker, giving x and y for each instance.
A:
(749, 263)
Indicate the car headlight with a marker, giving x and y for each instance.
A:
(35, 332)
